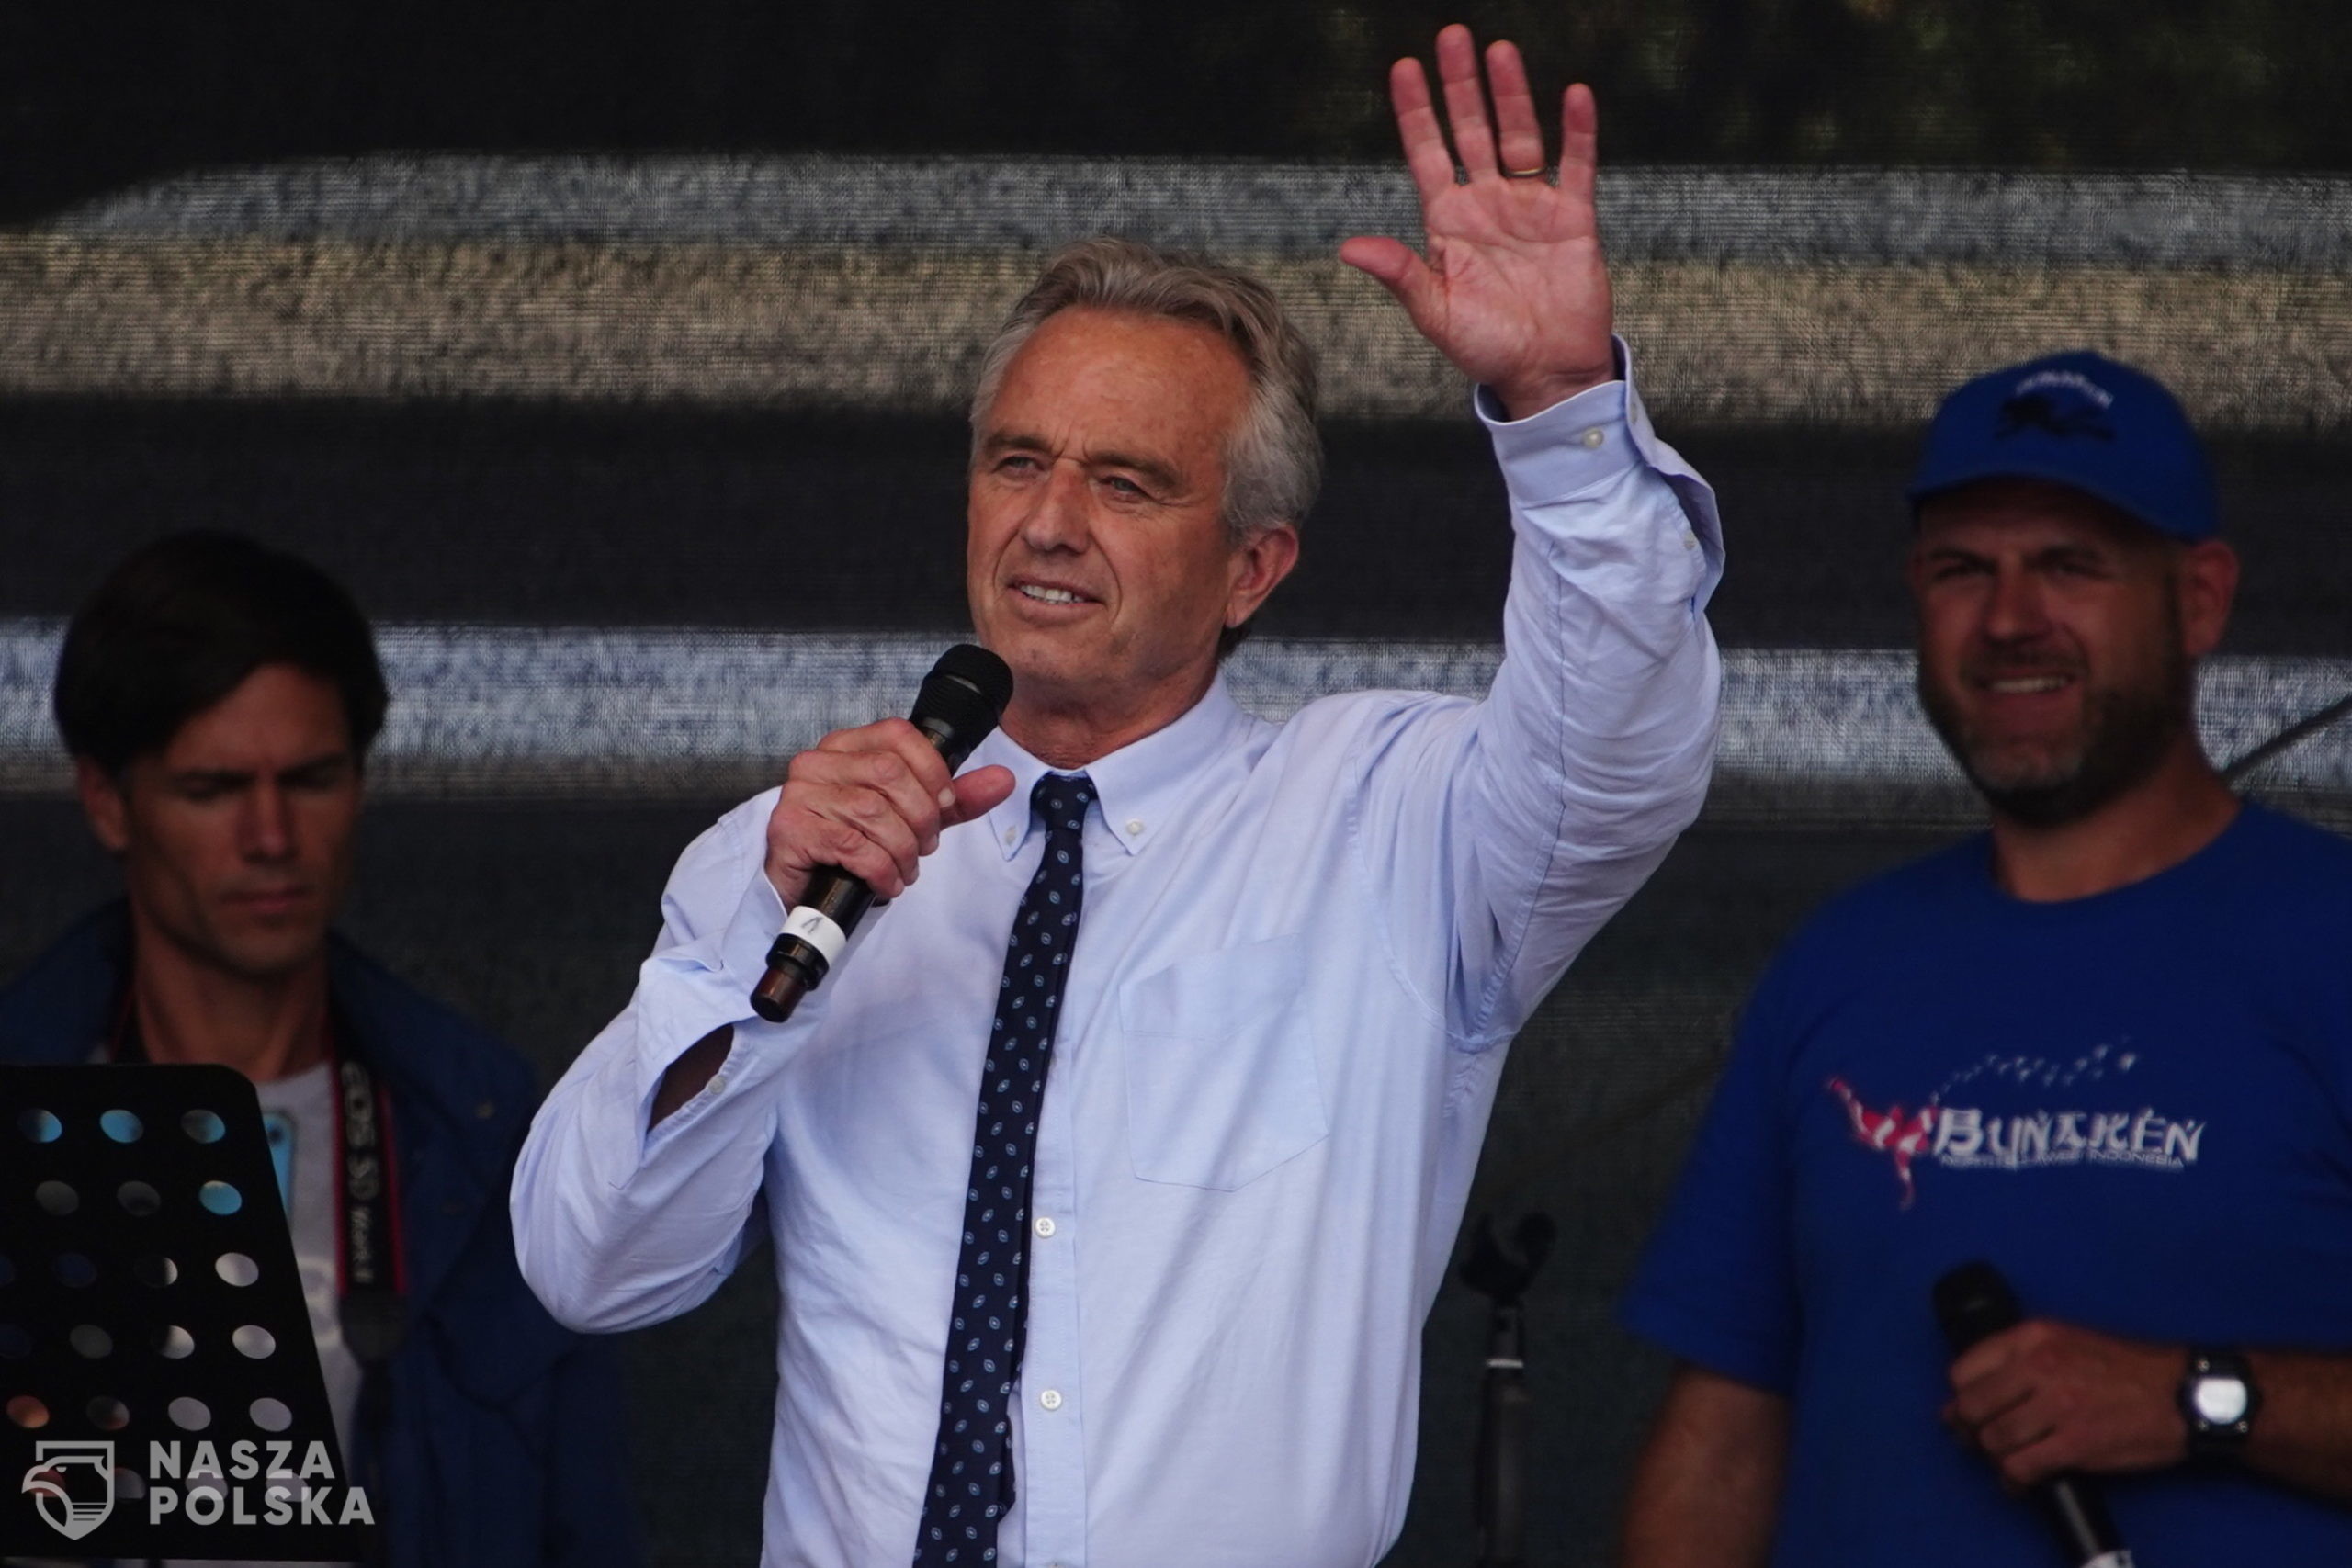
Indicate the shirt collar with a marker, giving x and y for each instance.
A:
(1138, 788)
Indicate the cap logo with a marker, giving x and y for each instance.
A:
(2074, 379)
(2058, 403)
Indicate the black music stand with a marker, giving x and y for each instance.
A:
(151, 1310)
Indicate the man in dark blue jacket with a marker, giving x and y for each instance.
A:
(219, 699)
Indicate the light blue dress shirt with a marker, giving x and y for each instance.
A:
(1303, 947)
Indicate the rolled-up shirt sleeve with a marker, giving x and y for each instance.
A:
(618, 1224)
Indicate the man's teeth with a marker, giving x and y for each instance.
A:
(2021, 685)
(1048, 596)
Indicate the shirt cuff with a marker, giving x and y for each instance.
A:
(1566, 450)
(751, 932)
(688, 993)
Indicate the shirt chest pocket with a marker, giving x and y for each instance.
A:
(1222, 1085)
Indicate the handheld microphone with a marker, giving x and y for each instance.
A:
(1973, 1302)
(958, 704)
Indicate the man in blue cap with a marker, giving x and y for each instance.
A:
(2105, 1047)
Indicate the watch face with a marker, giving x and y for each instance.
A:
(2220, 1400)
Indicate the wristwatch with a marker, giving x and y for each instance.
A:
(2219, 1402)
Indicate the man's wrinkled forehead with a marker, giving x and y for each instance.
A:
(1114, 386)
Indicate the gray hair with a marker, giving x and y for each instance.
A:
(1273, 463)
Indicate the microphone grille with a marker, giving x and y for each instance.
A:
(961, 700)
(975, 666)
(1973, 1302)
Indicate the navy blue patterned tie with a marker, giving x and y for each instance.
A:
(971, 1468)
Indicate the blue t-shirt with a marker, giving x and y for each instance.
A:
(2135, 1105)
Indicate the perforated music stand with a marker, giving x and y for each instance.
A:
(149, 1303)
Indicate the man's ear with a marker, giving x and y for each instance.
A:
(103, 803)
(2207, 586)
(1260, 564)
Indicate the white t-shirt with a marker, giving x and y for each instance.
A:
(306, 1100)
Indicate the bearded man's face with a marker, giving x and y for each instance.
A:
(2053, 659)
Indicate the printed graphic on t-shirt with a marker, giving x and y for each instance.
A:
(2088, 1116)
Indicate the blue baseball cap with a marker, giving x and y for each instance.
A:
(2079, 419)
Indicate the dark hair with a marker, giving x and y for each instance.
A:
(180, 624)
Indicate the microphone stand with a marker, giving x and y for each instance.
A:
(1500, 1269)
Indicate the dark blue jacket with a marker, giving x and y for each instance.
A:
(503, 1445)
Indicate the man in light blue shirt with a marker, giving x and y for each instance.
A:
(1303, 946)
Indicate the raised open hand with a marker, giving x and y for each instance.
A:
(1514, 291)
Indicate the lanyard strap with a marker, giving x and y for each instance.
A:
(368, 1254)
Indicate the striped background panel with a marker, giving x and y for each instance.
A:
(636, 714)
(1753, 296)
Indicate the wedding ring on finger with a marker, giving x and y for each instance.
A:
(1537, 173)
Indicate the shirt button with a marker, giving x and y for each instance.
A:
(1011, 834)
(1593, 439)
(1045, 1224)
(1134, 825)
(1051, 1399)
(719, 1083)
